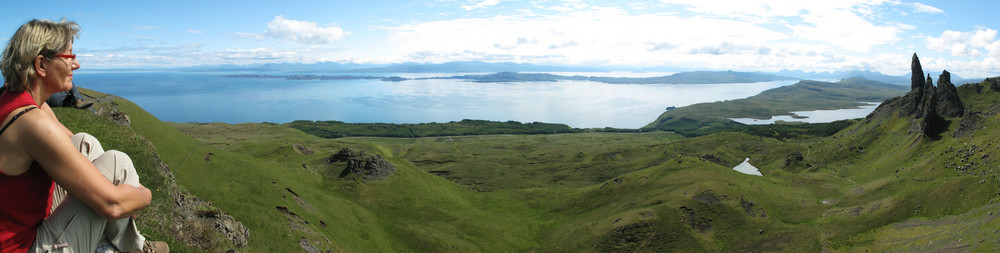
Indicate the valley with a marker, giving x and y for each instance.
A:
(885, 182)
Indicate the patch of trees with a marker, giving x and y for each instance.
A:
(338, 129)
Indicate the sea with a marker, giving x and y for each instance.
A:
(210, 97)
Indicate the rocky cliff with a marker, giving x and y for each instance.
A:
(929, 106)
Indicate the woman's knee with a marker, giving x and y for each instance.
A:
(117, 167)
(88, 145)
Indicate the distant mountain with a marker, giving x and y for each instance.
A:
(697, 77)
(322, 67)
(684, 75)
(448, 67)
(868, 74)
(471, 67)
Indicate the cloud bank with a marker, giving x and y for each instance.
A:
(748, 35)
(483, 4)
(303, 32)
(981, 47)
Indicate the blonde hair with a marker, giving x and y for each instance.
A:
(37, 37)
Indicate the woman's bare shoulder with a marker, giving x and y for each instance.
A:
(33, 128)
(14, 147)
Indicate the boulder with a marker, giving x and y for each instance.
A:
(716, 160)
(358, 163)
(793, 158)
(970, 122)
(302, 149)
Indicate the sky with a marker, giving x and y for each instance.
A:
(740, 35)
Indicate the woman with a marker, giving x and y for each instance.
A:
(39, 158)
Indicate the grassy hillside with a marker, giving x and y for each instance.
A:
(158, 221)
(806, 95)
(871, 186)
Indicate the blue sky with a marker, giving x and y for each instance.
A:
(743, 35)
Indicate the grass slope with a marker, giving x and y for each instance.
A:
(871, 186)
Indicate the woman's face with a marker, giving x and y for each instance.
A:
(60, 70)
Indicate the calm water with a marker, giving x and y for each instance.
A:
(746, 168)
(204, 97)
(817, 116)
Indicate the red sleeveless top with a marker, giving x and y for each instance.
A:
(25, 199)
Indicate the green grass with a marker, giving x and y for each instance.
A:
(596, 192)
(870, 186)
(155, 220)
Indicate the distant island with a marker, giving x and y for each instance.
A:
(502, 67)
(696, 77)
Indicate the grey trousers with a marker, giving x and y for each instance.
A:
(75, 227)
(65, 98)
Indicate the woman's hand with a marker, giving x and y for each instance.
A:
(44, 140)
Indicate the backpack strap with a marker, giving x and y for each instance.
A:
(18, 115)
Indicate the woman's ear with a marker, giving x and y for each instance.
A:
(39, 67)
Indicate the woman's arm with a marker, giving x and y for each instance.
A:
(46, 143)
(48, 110)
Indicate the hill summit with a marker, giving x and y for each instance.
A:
(926, 104)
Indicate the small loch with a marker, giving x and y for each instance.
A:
(746, 168)
(817, 116)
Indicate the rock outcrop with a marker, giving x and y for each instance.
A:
(948, 102)
(929, 107)
(302, 149)
(193, 209)
(970, 123)
(973, 121)
(358, 163)
(994, 83)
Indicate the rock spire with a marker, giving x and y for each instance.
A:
(948, 104)
(917, 78)
(928, 106)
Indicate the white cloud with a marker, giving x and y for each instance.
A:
(140, 36)
(746, 9)
(971, 45)
(983, 38)
(919, 7)
(845, 29)
(697, 34)
(145, 27)
(194, 54)
(742, 35)
(483, 4)
(591, 36)
(195, 31)
(966, 44)
(304, 32)
(845, 24)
